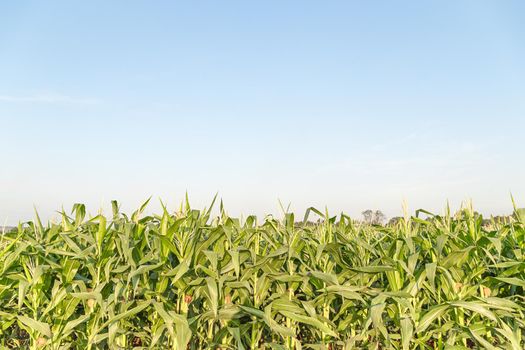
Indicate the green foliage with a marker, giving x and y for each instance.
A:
(191, 281)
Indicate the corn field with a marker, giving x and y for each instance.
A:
(191, 280)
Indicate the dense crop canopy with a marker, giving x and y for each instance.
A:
(192, 281)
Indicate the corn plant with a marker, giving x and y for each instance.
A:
(191, 280)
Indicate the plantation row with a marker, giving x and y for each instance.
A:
(191, 281)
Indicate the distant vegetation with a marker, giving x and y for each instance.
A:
(187, 280)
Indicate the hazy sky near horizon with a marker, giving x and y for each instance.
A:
(346, 104)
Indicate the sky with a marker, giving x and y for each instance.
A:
(349, 105)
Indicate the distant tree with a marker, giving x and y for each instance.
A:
(379, 217)
(368, 216)
(373, 217)
(502, 219)
(395, 220)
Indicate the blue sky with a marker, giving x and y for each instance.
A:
(346, 104)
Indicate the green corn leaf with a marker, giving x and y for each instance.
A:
(429, 317)
(41, 327)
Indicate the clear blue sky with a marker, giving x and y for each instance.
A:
(348, 104)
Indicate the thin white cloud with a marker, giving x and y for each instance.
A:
(48, 98)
